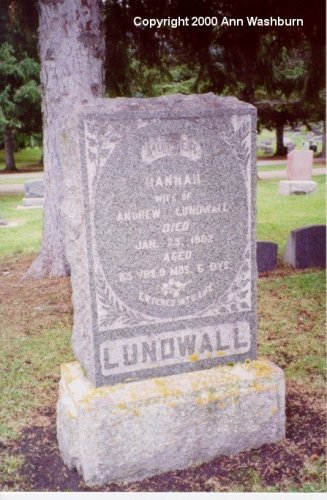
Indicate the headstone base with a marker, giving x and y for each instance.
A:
(132, 431)
(297, 187)
(33, 202)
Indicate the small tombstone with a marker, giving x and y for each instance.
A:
(298, 173)
(290, 146)
(306, 247)
(34, 193)
(266, 256)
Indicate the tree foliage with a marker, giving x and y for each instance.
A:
(280, 70)
(20, 98)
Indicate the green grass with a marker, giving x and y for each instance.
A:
(25, 237)
(31, 368)
(278, 215)
(301, 351)
(25, 158)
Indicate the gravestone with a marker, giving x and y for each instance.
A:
(306, 247)
(298, 173)
(160, 237)
(34, 193)
(266, 256)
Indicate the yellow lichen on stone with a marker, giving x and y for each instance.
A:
(193, 358)
(70, 371)
(261, 367)
(220, 353)
(165, 389)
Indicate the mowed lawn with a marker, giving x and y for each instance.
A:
(36, 323)
(28, 158)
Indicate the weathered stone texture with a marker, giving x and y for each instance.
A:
(160, 223)
(132, 431)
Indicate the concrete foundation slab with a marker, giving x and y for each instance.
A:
(131, 431)
(297, 187)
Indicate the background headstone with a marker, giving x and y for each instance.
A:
(34, 189)
(266, 256)
(299, 165)
(34, 193)
(298, 172)
(306, 247)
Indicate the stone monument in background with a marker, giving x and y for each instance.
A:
(160, 236)
(299, 173)
(34, 193)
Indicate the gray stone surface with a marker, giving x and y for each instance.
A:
(33, 202)
(306, 247)
(266, 256)
(160, 229)
(297, 187)
(128, 432)
(34, 188)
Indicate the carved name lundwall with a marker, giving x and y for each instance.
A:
(183, 346)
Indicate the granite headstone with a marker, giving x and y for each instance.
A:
(159, 209)
(34, 189)
(34, 193)
(298, 173)
(266, 256)
(306, 247)
(167, 249)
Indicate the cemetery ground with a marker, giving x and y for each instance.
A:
(36, 322)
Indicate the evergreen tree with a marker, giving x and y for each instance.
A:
(20, 99)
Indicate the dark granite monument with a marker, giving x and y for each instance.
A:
(306, 247)
(266, 256)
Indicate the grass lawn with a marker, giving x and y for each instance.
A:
(26, 159)
(24, 237)
(36, 323)
(278, 215)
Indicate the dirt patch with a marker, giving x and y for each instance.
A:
(271, 465)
